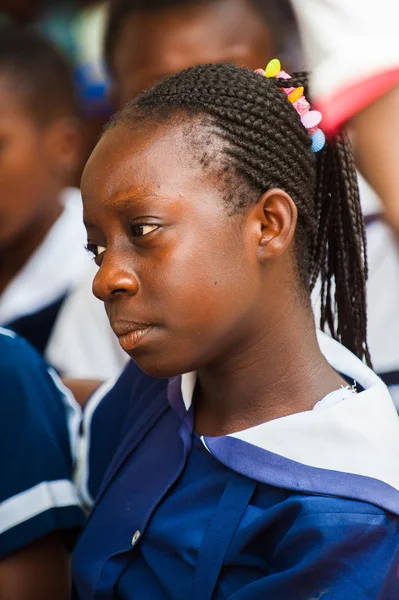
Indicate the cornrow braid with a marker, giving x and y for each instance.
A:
(266, 145)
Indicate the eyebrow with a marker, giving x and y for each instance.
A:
(125, 202)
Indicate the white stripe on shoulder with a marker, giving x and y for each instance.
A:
(35, 501)
(7, 332)
(82, 472)
(73, 411)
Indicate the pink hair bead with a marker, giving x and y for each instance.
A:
(302, 106)
(283, 75)
(288, 90)
(311, 119)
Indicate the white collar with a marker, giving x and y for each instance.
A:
(357, 437)
(53, 269)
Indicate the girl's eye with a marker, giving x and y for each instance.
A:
(141, 230)
(95, 249)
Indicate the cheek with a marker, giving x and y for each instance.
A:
(206, 286)
(23, 186)
(22, 163)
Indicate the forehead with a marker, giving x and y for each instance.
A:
(153, 44)
(143, 161)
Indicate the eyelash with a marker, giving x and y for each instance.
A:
(93, 248)
(135, 226)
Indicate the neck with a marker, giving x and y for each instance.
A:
(280, 372)
(14, 255)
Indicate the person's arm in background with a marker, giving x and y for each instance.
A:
(82, 389)
(352, 49)
(40, 512)
(376, 144)
(36, 572)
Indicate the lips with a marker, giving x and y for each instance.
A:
(130, 334)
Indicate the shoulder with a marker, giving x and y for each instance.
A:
(29, 388)
(338, 524)
(37, 419)
(308, 541)
(13, 350)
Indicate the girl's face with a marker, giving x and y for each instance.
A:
(179, 275)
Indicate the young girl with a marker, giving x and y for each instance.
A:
(256, 458)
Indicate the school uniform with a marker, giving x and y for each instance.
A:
(32, 300)
(301, 507)
(76, 340)
(39, 420)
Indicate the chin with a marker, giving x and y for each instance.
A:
(161, 366)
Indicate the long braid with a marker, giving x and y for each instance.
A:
(267, 146)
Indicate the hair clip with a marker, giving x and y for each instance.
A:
(310, 118)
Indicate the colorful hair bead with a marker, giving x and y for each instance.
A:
(318, 140)
(283, 75)
(296, 94)
(302, 106)
(288, 91)
(310, 118)
(273, 68)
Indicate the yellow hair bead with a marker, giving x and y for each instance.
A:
(273, 68)
(296, 94)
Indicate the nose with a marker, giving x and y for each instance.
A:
(114, 279)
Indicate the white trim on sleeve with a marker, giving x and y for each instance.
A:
(82, 471)
(37, 500)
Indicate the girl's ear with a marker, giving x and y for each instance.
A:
(276, 215)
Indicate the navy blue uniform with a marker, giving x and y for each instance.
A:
(37, 417)
(299, 508)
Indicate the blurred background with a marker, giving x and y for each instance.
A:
(77, 28)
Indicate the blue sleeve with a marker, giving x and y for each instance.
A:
(37, 496)
(333, 556)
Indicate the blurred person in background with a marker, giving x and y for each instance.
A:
(42, 256)
(76, 28)
(353, 53)
(40, 513)
(41, 234)
(146, 41)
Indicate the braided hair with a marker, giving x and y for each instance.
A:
(266, 146)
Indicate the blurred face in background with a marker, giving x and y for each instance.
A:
(35, 158)
(155, 43)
